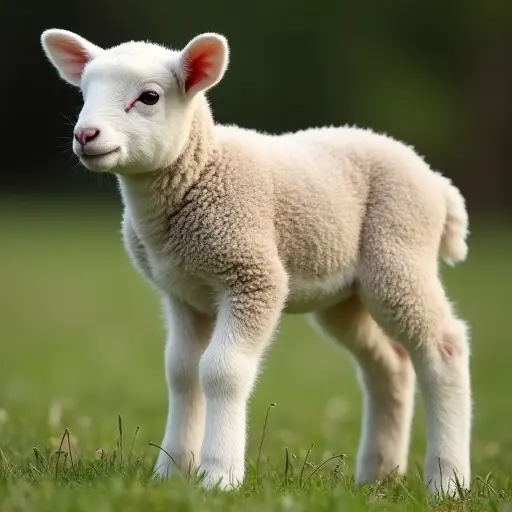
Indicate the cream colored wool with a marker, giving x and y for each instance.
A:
(234, 228)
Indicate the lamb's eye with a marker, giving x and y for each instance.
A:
(149, 97)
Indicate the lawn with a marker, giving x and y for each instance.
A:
(81, 344)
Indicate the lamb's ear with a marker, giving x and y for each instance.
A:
(202, 62)
(69, 53)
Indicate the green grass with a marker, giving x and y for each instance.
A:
(81, 342)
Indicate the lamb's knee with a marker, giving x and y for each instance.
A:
(454, 343)
(391, 379)
(444, 357)
(448, 344)
(182, 366)
(427, 329)
(226, 375)
(400, 351)
(182, 374)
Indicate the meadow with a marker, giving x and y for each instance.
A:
(82, 391)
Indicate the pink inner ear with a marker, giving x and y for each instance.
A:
(72, 54)
(199, 65)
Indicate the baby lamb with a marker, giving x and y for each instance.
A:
(234, 227)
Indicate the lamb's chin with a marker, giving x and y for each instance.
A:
(106, 162)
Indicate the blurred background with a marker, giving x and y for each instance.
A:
(79, 328)
(437, 74)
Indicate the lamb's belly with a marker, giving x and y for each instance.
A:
(313, 293)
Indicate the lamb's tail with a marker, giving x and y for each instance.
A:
(454, 248)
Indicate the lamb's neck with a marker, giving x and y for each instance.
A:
(151, 199)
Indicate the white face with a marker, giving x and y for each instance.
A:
(137, 97)
(133, 112)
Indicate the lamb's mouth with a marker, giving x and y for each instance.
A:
(96, 156)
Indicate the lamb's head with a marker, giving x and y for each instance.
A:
(138, 97)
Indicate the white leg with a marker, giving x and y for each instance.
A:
(228, 370)
(387, 381)
(388, 406)
(413, 307)
(443, 375)
(188, 336)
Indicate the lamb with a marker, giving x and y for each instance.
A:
(234, 228)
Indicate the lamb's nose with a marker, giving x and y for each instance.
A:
(85, 135)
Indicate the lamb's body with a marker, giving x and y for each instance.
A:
(235, 227)
(306, 197)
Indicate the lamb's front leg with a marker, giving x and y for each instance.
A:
(248, 315)
(188, 336)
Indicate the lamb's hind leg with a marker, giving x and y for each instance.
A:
(405, 296)
(387, 380)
